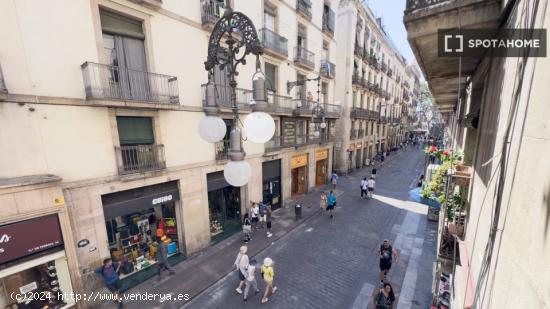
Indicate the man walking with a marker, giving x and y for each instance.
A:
(364, 187)
(162, 258)
(241, 264)
(109, 273)
(373, 172)
(263, 214)
(334, 179)
(251, 279)
(387, 255)
(268, 221)
(255, 214)
(331, 204)
(370, 186)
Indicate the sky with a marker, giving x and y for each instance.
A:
(391, 12)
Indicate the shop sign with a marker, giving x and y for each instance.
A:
(28, 237)
(162, 199)
(321, 155)
(298, 161)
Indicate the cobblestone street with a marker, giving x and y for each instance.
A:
(319, 265)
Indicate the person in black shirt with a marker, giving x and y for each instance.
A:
(387, 255)
(384, 298)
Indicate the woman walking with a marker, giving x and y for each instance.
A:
(241, 264)
(268, 274)
(247, 228)
(251, 279)
(385, 297)
(323, 202)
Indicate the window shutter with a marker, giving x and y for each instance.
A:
(135, 130)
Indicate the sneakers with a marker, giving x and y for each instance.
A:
(239, 290)
(269, 235)
(274, 289)
(264, 300)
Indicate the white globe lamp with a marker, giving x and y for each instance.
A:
(212, 129)
(237, 173)
(312, 125)
(316, 134)
(323, 125)
(259, 127)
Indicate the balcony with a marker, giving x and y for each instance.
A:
(223, 97)
(374, 115)
(422, 20)
(332, 110)
(302, 107)
(221, 150)
(274, 44)
(328, 22)
(211, 11)
(327, 69)
(356, 80)
(390, 72)
(3, 89)
(274, 144)
(140, 158)
(384, 67)
(304, 58)
(303, 7)
(406, 96)
(358, 112)
(107, 82)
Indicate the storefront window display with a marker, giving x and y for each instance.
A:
(224, 206)
(135, 225)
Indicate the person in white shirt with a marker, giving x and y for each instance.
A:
(241, 264)
(251, 279)
(370, 186)
(255, 215)
(364, 187)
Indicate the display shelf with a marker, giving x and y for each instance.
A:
(151, 263)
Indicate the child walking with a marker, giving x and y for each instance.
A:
(251, 279)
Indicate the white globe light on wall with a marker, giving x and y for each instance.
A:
(212, 129)
(237, 173)
(259, 127)
(316, 133)
(323, 125)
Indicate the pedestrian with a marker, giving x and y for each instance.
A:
(420, 181)
(363, 186)
(254, 214)
(247, 228)
(384, 298)
(371, 183)
(262, 214)
(331, 203)
(241, 263)
(268, 217)
(387, 254)
(323, 202)
(109, 272)
(268, 273)
(162, 257)
(334, 179)
(373, 172)
(251, 279)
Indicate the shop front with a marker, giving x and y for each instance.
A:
(136, 220)
(299, 172)
(321, 167)
(224, 205)
(33, 262)
(271, 182)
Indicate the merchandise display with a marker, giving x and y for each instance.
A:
(133, 237)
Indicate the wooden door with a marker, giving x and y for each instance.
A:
(320, 173)
(294, 184)
(302, 180)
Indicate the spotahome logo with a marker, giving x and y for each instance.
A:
(492, 43)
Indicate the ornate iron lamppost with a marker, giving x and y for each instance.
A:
(238, 33)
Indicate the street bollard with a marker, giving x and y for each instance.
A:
(298, 211)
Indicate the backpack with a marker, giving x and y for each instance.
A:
(263, 209)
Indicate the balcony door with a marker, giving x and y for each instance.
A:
(123, 42)
(269, 19)
(137, 142)
(223, 90)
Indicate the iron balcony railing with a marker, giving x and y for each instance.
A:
(274, 144)
(374, 115)
(279, 103)
(221, 150)
(223, 96)
(274, 42)
(304, 7)
(332, 110)
(103, 82)
(140, 158)
(3, 88)
(304, 56)
(328, 21)
(211, 11)
(406, 96)
(328, 69)
(420, 4)
(390, 72)
(384, 67)
(358, 112)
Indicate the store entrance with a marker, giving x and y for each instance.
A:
(358, 163)
(321, 172)
(272, 192)
(224, 205)
(299, 180)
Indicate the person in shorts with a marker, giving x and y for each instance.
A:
(262, 214)
(109, 273)
(254, 215)
(241, 264)
(387, 255)
(363, 186)
(334, 179)
(370, 186)
(268, 221)
(331, 203)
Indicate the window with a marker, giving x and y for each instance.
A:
(270, 17)
(324, 92)
(325, 51)
(362, 100)
(302, 37)
(271, 77)
(300, 89)
(135, 131)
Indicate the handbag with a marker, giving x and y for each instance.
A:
(247, 228)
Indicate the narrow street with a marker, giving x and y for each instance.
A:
(319, 265)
